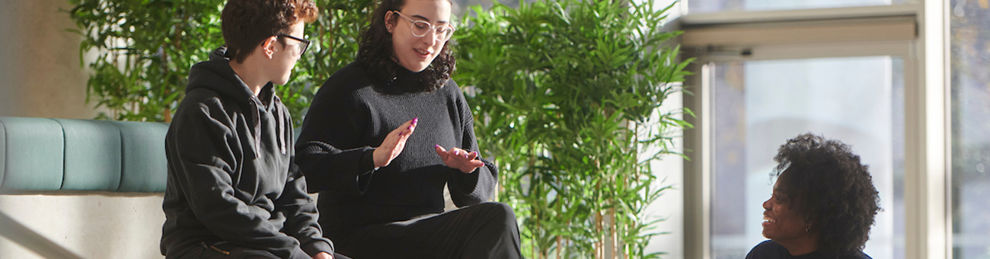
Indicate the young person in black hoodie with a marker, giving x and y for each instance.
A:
(387, 132)
(233, 190)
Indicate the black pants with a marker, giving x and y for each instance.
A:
(227, 251)
(486, 230)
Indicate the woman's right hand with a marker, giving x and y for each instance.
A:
(393, 144)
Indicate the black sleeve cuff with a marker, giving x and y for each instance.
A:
(367, 164)
(316, 247)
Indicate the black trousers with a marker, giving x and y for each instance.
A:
(228, 251)
(485, 230)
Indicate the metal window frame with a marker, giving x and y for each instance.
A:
(916, 32)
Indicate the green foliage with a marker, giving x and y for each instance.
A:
(144, 49)
(567, 96)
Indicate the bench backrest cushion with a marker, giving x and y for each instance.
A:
(43, 154)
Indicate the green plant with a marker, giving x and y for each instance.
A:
(567, 96)
(144, 49)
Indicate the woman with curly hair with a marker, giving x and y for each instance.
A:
(385, 134)
(823, 202)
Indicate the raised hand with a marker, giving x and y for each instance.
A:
(459, 159)
(393, 144)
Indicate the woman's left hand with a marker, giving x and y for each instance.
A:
(459, 159)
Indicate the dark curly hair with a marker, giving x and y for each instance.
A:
(246, 23)
(831, 189)
(375, 53)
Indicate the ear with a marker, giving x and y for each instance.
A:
(268, 46)
(389, 21)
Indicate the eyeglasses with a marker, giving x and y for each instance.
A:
(420, 28)
(303, 46)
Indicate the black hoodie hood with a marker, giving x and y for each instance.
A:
(216, 75)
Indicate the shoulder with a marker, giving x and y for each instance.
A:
(199, 101)
(351, 77)
(203, 105)
(347, 85)
(451, 86)
(765, 249)
(452, 91)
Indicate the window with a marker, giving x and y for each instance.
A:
(970, 108)
(707, 6)
(758, 105)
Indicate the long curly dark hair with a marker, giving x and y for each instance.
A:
(831, 189)
(376, 54)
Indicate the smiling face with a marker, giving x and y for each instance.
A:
(416, 53)
(781, 223)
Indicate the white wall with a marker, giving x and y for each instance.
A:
(670, 205)
(40, 74)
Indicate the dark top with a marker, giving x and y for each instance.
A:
(229, 174)
(771, 250)
(351, 114)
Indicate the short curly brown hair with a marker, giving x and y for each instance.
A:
(246, 23)
(831, 189)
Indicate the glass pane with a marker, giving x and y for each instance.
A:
(707, 6)
(970, 47)
(761, 104)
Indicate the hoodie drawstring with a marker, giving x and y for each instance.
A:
(281, 129)
(257, 128)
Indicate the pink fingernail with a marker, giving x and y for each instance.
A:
(415, 120)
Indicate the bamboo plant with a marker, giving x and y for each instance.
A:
(567, 96)
(144, 49)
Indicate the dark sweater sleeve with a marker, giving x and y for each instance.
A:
(479, 185)
(329, 151)
(205, 148)
(300, 212)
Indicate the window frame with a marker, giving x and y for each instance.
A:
(922, 46)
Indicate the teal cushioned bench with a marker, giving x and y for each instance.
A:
(33, 154)
(92, 155)
(145, 165)
(43, 154)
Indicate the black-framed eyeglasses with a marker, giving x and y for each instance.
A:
(420, 28)
(305, 42)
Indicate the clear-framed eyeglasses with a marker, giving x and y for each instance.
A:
(420, 28)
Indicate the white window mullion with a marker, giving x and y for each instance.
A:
(927, 173)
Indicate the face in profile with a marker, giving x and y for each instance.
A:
(780, 221)
(419, 31)
(287, 52)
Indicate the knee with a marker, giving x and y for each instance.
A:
(500, 212)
